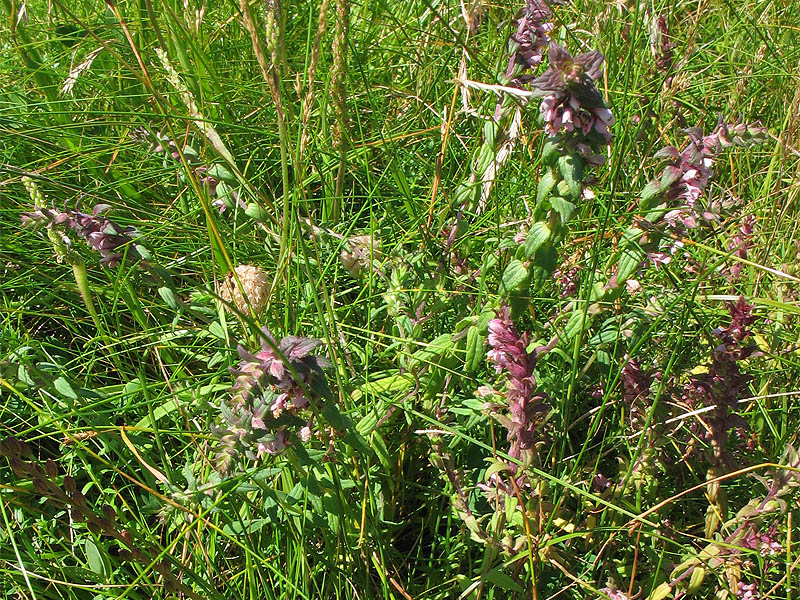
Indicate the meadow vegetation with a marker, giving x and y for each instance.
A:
(415, 300)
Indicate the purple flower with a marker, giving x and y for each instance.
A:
(112, 241)
(636, 393)
(267, 369)
(508, 352)
(766, 543)
(531, 37)
(615, 593)
(684, 178)
(573, 103)
(568, 281)
(747, 591)
(275, 446)
(273, 388)
(724, 384)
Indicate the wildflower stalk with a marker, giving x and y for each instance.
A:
(65, 254)
(577, 123)
(82, 281)
(670, 206)
(502, 128)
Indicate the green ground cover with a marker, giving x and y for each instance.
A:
(427, 299)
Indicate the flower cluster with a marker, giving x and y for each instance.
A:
(573, 105)
(531, 38)
(724, 384)
(747, 528)
(765, 543)
(273, 389)
(636, 385)
(747, 591)
(683, 180)
(567, 279)
(508, 353)
(113, 242)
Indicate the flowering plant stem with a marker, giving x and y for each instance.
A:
(82, 281)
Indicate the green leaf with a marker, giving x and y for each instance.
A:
(497, 466)
(476, 350)
(222, 173)
(564, 208)
(436, 347)
(224, 192)
(571, 168)
(519, 303)
(168, 296)
(574, 325)
(550, 152)
(143, 252)
(95, 558)
(563, 189)
(391, 383)
(546, 258)
(490, 132)
(629, 263)
(514, 276)
(335, 417)
(546, 184)
(369, 422)
(64, 388)
(466, 193)
(631, 235)
(696, 580)
(661, 592)
(537, 235)
(255, 212)
(504, 581)
(245, 526)
(382, 452)
(486, 156)
(173, 403)
(651, 190)
(215, 329)
(609, 332)
(669, 176)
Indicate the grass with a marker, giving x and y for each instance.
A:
(374, 242)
